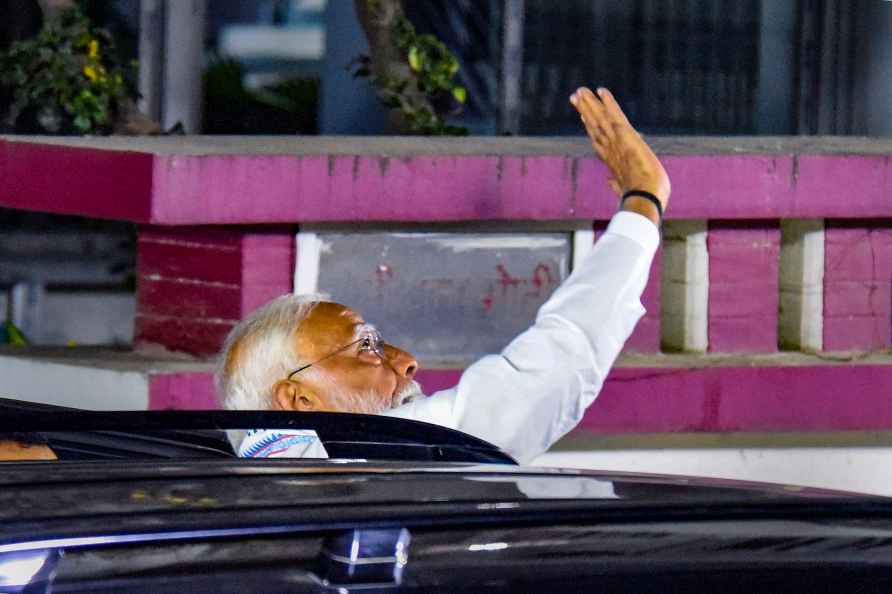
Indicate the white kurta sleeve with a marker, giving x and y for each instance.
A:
(537, 389)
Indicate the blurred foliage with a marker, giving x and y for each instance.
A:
(23, 19)
(428, 93)
(65, 80)
(110, 17)
(285, 107)
(10, 334)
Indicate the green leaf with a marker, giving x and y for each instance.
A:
(14, 336)
(82, 123)
(460, 94)
(452, 65)
(414, 58)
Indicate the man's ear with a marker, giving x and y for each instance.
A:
(291, 395)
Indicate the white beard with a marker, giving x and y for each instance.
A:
(367, 402)
(408, 394)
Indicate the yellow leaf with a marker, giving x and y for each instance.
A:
(93, 49)
(460, 94)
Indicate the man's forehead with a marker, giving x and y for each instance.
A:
(329, 322)
(334, 312)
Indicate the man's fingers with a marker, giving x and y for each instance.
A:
(599, 143)
(583, 106)
(586, 102)
(600, 149)
(611, 107)
(598, 124)
(595, 132)
(594, 109)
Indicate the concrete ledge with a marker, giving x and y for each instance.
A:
(225, 180)
(104, 379)
(658, 394)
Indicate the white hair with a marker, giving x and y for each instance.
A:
(264, 346)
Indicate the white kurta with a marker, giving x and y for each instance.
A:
(537, 389)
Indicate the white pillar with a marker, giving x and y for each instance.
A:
(583, 242)
(26, 308)
(684, 287)
(183, 64)
(306, 265)
(151, 56)
(801, 316)
(512, 67)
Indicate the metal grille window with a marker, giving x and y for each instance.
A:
(679, 66)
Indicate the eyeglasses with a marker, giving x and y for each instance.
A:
(370, 341)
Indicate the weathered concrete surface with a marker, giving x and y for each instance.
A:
(225, 180)
(407, 146)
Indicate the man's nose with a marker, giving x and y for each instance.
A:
(403, 363)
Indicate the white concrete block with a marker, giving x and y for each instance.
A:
(88, 318)
(801, 317)
(82, 317)
(76, 386)
(685, 286)
(306, 266)
(583, 242)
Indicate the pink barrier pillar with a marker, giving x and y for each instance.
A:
(743, 286)
(194, 284)
(646, 336)
(857, 286)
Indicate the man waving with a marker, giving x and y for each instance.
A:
(301, 353)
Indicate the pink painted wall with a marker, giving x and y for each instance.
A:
(182, 391)
(194, 284)
(763, 398)
(99, 184)
(666, 400)
(480, 187)
(267, 269)
(743, 286)
(857, 286)
(520, 179)
(646, 336)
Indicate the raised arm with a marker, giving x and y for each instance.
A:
(632, 165)
(537, 389)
